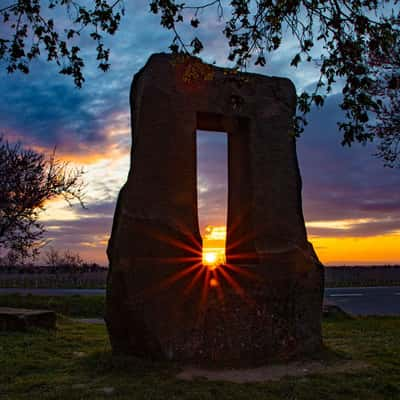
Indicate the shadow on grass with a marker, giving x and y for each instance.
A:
(104, 362)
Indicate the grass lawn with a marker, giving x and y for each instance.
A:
(75, 363)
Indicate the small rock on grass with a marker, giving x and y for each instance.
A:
(80, 386)
(79, 354)
(107, 390)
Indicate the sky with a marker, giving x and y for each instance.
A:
(351, 202)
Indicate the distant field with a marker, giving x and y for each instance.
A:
(59, 278)
(53, 279)
(71, 306)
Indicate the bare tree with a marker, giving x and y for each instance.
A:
(28, 180)
(68, 259)
(52, 257)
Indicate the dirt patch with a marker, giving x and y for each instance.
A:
(270, 373)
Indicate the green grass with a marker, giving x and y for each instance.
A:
(73, 306)
(75, 362)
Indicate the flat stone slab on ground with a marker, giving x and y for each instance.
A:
(19, 319)
(270, 372)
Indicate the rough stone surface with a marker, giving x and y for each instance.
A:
(19, 319)
(267, 304)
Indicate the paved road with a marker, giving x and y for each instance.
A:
(354, 300)
(366, 300)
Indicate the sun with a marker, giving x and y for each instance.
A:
(214, 246)
(210, 258)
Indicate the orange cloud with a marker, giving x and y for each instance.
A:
(110, 144)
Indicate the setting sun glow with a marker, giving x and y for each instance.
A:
(214, 246)
(210, 258)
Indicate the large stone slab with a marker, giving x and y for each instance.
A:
(20, 319)
(265, 304)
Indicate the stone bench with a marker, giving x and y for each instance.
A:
(19, 319)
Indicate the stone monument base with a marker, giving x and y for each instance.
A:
(235, 314)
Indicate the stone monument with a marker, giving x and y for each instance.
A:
(266, 304)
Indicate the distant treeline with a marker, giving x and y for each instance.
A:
(51, 269)
(374, 275)
(63, 276)
(94, 276)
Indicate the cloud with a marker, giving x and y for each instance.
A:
(342, 183)
(44, 109)
(86, 234)
(212, 168)
(355, 228)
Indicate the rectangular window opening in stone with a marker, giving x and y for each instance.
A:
(212, 194)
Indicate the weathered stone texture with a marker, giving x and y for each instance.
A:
(153, 307)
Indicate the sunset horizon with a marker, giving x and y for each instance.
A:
(351, 202)
(338, 238)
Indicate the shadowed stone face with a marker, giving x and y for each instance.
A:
(266, 304)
